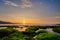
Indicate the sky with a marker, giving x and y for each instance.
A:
(30, 11)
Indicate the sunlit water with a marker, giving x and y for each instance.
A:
(22, 28)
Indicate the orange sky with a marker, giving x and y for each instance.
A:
(30, 11)
(31, 21)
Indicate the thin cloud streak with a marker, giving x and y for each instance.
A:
(24, 4)
(11, 3)
(57, 17)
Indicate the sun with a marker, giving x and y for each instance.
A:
(24, 22)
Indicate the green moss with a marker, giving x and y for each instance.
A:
(47, 36)
(57, 29)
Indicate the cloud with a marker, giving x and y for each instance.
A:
(26, 3)
(41, 3)
(57, 17)
(23, 4)
(11, 3)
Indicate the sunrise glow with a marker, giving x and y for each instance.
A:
(24, 22)
(30, 11)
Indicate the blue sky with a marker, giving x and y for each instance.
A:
(42, 11)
